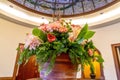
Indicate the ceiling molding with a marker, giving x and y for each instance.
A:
(105, 24)
(32, 26)
(17, 21)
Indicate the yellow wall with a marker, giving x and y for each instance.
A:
(103, 39)
(11, 35)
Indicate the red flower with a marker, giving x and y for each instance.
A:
(51, 37)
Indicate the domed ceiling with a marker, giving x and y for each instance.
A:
(65, 8)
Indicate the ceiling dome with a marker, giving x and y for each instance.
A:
(64, 8)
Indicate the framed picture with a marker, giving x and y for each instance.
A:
(116, 55)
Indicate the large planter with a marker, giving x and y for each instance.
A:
(63, 69)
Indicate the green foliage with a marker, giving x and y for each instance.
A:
(80, 51)
(100, 59)
(84, 34)
(89, 34)
(39, 33)
(91, 68)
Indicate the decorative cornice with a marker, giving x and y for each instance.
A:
(16, 21)
(31, 25)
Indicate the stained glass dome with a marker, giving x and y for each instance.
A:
(65, 8)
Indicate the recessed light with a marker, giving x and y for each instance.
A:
(43, 18)
(102, 13)
(11, 6)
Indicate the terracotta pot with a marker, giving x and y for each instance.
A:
(63, 69)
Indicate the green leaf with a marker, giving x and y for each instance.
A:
(89, 34)
(22, 56)
(92, 69)
(82, 32)
(63, 50)
(80, 40)
(39, 33)
(51, 65)
(91, 45)
(100, 59)
(71, 57)
(36, 32)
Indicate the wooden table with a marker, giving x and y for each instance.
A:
(63, 79)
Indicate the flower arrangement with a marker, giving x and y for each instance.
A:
(50, 40)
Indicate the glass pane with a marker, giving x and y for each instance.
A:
(29, 5)
(99, 3)
(20, 1)
(88, 5)
(68, 11)
(78, 8)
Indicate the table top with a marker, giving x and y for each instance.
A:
(63, 79)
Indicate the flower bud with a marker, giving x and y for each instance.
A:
(90, 52)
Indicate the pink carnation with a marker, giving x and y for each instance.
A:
(31, 42)
(63, 29)
(55, 26)
(76, 30)
(43, 27)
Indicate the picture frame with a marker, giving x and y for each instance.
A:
(116, 56)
